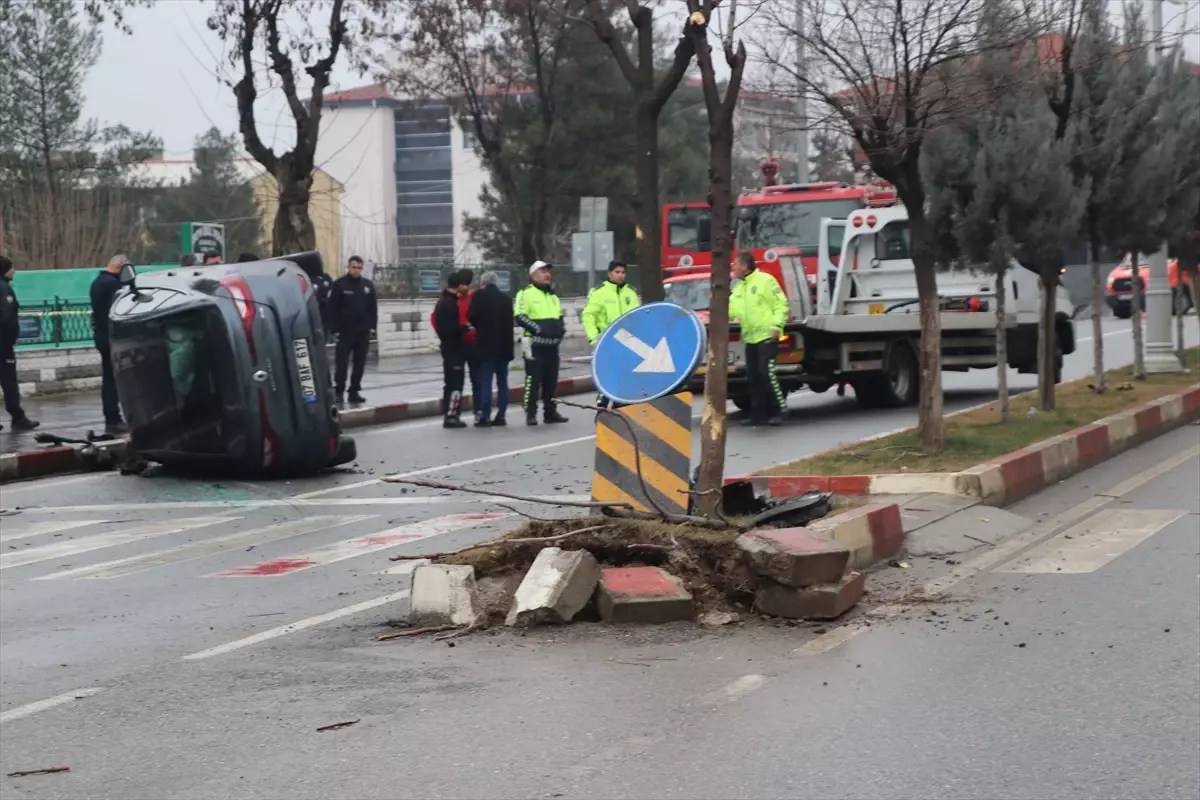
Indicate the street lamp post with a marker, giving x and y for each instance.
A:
(1160, 349)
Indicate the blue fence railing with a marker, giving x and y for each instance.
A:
(59, 322)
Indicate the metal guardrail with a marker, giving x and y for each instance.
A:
(57, 323)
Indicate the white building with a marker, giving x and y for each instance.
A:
(408, 175)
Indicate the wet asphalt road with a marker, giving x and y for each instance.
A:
(204, 691)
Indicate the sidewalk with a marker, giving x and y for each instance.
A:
(399, 379)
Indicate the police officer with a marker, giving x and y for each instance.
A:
(10, 332)
(353, 316)
(323, 286)
(537, 309)
(759, 305)
(605, 304)
(104, 288)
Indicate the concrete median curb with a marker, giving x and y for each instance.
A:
(65, 459)
(1010, 477)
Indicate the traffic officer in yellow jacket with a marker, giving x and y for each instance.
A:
(605, 304)
(761, 309)
(537, 309)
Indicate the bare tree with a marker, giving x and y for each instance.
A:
(888, 74)
(296, 53)
(720, 106)
(650, 92)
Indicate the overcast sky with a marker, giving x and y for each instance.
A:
(163, 77)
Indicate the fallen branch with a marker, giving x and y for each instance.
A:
(337, 726)
(495, 542)
(520, 513)
(47, 771)
(387, 637)
(449, 487)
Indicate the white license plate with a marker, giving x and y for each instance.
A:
(308, 382)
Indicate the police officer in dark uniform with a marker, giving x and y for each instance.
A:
(353, 315)
(10, 332)
(323, 285)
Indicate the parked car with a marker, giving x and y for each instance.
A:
(223, 367)
(1119, 291)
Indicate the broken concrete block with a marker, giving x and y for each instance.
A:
(642, 594)
(826, 601)
(444, 594)
(794, 556)
(717, 618)
(556, 588)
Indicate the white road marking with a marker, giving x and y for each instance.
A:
(44, 528)
(44, 484)
(1001, 554)
(359, 546)
(20, 712)
(446, 467)
(204, 547)
(88, 543)
(1103, 335)
(1093, 543)
(304, 624)
(338, 501)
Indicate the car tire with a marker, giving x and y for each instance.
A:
(1124, 311)
(896, 386)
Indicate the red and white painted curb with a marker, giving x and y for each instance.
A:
(59, 460)
(1016, 475)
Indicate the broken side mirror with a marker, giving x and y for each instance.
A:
(128, 275)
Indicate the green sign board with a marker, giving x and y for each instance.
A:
(203, 238)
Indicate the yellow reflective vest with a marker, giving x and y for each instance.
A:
(759, 306)
(605, 304)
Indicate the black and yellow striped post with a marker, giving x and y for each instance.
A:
(663, 429)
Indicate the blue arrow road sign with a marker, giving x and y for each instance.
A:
(648, 353)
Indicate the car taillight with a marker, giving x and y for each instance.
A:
(857, 222)
(974, 304)
(735, 337)
(243, 301)
(303, 283)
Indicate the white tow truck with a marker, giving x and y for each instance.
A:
(865, 330)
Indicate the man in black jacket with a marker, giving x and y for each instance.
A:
(352, 315)
(452, 334)
(10, 332)
(104, 288)
(491, 313)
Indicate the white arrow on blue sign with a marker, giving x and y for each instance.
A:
(648, 353)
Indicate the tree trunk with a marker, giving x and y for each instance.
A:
(293, 231)
(1135, 319)
(1180, 343)
(1047, 338)
(1098, 385)
(1002, 349)
(930, 427)
(716, 378)
(649, 231)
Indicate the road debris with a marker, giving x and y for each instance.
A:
(717, 618)
(47, 771)
(337, 726)
(386, 637)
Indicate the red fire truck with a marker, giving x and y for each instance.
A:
(776, 222)
(686, 236)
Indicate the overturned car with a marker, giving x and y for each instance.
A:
(223, 368)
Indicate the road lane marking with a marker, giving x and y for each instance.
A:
(49, 483)
(205, 547)
(1001, 554)
(447, 467)
(304, 624)
(359, 546)
(88, 543)
(241, 505)
(1089, 545)
(44, 528)
(20, 712)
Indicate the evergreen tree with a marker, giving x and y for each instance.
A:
(830, 157)
(215, 191)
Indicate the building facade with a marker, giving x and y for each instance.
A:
(409, 177)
